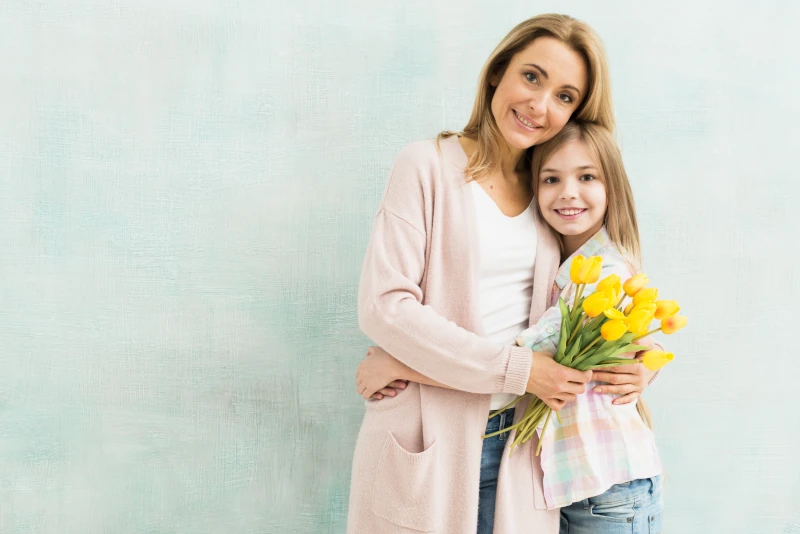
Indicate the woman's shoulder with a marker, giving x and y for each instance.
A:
(427, 165)
(434, 155)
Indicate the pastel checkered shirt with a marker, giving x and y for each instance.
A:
(597, 444)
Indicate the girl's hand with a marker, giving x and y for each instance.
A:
(629, 381)
(378, 375)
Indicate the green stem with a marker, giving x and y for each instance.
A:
(509, 405)
(647, 334)
(578, 295)
(506, 429)
(539, 446)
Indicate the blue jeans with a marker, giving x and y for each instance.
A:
(634, 507)
(491, 455)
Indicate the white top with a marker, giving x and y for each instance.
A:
(507, 253)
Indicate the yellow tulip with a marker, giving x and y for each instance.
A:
(613, 313)
(575, 269)
(645, 295)
(585, 271)
(638, 321)
(596, 303)
(635, 284)
(610, 282)
(666, 308)
(670, 325)
(595, 265)
(613, 330)
(648, 306)
(656, 359)
(628, 308)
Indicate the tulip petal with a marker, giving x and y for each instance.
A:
(613, 313)
(612, 281)
(670, 325)
(666, 308)
(613, 330)
(575, 268)
(646, 295)
(595, 267)
(595, 304)
(656, 359)
(635, 284)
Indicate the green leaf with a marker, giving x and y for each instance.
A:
(572, 352)
(562, 342)
(563, 306)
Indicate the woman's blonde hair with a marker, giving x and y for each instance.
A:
(595, 107)
(620, 219)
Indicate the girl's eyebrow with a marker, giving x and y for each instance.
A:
(581, 168)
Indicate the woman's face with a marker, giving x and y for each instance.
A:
(540, 89)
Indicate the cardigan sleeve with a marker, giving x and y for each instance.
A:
(390, 308)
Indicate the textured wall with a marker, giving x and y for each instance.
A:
(186, 190)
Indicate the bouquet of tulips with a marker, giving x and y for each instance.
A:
(598, 329)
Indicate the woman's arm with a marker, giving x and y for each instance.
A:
(391, 313)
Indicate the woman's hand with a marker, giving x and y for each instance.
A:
(554, 383)
(629, 381)
(378, 375)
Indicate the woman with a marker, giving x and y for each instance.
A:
(426, 297)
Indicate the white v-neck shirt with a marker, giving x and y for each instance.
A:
(505, 276)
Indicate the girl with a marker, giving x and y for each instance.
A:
(600, 463)
(417, 463)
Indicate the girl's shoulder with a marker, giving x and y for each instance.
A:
(615, 261)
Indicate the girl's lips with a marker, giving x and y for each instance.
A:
(571, 213)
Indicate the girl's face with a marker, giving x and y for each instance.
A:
(540, 89)
(572, 194)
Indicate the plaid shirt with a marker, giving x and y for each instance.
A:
(597, 444)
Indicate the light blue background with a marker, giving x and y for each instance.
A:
(186, 190)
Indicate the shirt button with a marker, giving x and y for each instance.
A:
(551, 330)
(630, 520)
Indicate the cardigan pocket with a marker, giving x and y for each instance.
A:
(406, 487)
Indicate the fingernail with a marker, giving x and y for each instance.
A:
(598, 390)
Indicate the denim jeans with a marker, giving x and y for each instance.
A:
(491, 455)
(634, 507)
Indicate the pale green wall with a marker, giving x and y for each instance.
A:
(186, 191)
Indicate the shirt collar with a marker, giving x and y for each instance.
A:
(590, 248)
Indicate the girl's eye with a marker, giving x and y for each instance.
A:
(531, 77)
(564, 97)
(587, 178)
(550, 180)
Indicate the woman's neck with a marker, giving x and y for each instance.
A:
(509, 159)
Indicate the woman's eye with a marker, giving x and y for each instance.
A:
(565, 98)
(550, 180)
(587, 178)
(531, 77)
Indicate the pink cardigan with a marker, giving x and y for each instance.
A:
(416, 466)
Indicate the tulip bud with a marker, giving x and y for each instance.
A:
(670, 325)
(613, 330)
(635, 284)
(596, 303)
(575, 269)
(666, 308)
(645, 295)
(656, 359)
